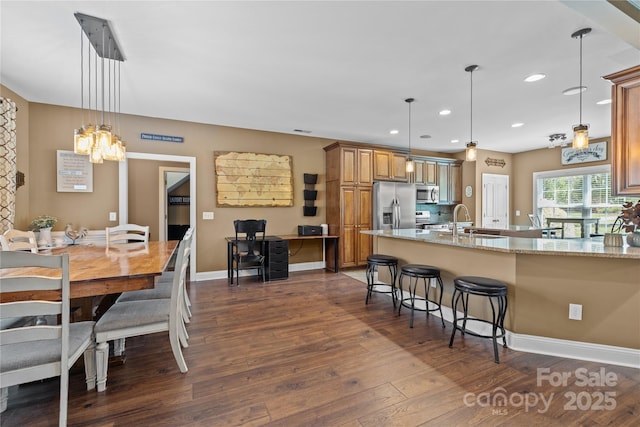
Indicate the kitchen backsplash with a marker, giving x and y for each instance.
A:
(438, 213)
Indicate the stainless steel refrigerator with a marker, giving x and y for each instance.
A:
(394, 205)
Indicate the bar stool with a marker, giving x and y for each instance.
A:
(424, 272)
(373, 261)
(485, 287)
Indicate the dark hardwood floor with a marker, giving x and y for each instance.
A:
(308, 352)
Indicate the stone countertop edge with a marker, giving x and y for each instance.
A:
(517, 245)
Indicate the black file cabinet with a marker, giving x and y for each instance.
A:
(277, 259)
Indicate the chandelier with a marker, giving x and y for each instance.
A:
(100, 86)
(557, 140)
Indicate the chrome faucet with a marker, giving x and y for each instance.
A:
(455, 217)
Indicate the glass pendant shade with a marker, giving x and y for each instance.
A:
(84, 138)
(410, 165)
(472, 152)
(580, 137)
(96, 154)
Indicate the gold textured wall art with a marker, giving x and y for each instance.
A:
(253, 179)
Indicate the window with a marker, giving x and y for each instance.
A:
(577, 193)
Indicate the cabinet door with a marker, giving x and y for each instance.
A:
(443, 183)
(399, 169)
(349, 232)
(365, 219)
(382, 165)
(455, 183)
(419, 171)
(349, 166)
(625, 132)
(430, 172)
(365, 167)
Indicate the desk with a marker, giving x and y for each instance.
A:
(333, 241)
(96, 270)
(581, 221)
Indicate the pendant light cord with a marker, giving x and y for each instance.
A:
(471, 109)
(581, 78)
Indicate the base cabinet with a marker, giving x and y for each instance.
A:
(276, 261)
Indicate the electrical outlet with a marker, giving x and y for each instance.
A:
(575, 311)
(207, 215)
(113, 216)
(517, 213)
(433, 283)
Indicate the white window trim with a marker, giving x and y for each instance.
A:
(564, 172)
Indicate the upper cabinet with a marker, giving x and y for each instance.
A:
(426, 172)
(349, 165)
(450, 183)
(625, 131)
(389, 166)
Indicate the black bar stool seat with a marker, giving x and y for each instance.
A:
(426, 273)
(485, 287)
(373, 262)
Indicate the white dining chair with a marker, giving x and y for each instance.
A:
(42, 351)
(126, 233)
(18, 240)
(135, 318)
(162, 289)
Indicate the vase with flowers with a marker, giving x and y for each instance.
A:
(43, 224)
(630, 217)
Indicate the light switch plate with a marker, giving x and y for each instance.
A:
(207, 215)
(113, 216)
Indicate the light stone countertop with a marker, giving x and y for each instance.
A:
(565, 247)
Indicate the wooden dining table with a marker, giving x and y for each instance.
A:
(97, 270)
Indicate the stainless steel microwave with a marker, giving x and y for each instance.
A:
(427, 194)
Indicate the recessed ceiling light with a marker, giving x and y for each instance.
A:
(517, 125)
(604, 102)
(453, 141)
(574, 90)
(394, 131)
(425, 136)
(445, 112)
(534, 77)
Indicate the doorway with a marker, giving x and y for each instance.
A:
(495, 201)
(123, 192)
(173, 202)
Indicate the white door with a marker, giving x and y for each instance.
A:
(495, 201)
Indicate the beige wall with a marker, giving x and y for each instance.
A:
(50, 128)
(528, 162)
(42, 129)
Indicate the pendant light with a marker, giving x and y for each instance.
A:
(99, 141)
(409, 165)
(580, 131)
(471, 153)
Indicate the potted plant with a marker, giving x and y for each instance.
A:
(43, 224)
(631, 222)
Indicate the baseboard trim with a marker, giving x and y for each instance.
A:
(222, 274)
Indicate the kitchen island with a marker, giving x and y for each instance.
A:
(544, 277)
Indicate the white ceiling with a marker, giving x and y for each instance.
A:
(340, 69)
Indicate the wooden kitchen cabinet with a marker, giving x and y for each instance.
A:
(426, 172)
(356, 217)
(349, 202)
(450, 183)
(389, 166)
(350, 165)
(625, 132)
